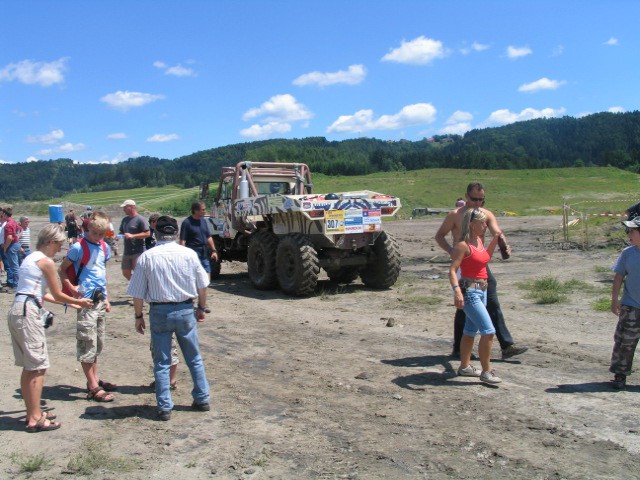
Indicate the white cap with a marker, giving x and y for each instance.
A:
(128, 202)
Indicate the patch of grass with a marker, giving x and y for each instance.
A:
(601, 269)
(30, 463)
(602, 304)
(95, 454)
(548, 290)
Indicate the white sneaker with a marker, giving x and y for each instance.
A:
(469, 371)
(490, 377)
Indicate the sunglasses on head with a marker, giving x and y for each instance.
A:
(473, 214)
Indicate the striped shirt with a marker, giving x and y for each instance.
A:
(25, 238)
(168, 272)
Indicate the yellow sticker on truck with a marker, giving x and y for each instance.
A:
(334, 221)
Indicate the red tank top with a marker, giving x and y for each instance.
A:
(474, 265)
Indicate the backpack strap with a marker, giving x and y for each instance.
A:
(86, 255)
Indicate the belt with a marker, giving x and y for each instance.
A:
(189, 300)
(479, 283)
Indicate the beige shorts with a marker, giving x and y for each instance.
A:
(90, 332)
(129, 261)
(27, 336)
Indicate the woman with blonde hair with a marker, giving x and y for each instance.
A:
(470, 293)
(37, 274)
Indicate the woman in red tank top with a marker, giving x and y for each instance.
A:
(470, 293)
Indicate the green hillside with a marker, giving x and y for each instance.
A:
(525, 192)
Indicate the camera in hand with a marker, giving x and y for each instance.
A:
(46, 318)
(98, 296)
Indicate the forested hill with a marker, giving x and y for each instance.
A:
(595, 140)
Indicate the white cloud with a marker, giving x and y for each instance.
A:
(353, 76)
(163, 137)
(557, 51)
(542, 84)
(419, 51)
(125, 100)
(64, 148)
(363, 120)
(32, 159)
(120, 157)
(616, 110)
(117, 136)
(279, 108)
(504, 116)
(612, 41)
(176, 70)
(456, 129)
(50, 138)
(459, 116)
(517, 52)
(29, 72)
(476, 47)
(267, 130)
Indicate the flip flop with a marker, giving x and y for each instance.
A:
(41, 425)
(108, 387)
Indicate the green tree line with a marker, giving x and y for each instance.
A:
(602, 139)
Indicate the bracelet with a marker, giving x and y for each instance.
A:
(138, 317)
(454, 287)
(202, 309)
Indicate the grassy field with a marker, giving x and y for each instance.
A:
(524, 192)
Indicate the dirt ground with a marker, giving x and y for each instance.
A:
(322, 387)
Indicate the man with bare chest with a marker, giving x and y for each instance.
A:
(452, 224)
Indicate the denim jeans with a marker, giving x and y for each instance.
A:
(478, 319)
(22, 256)
(495, 312)
(164, 320)
(11, 264)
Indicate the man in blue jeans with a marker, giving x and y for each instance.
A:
(169, 277)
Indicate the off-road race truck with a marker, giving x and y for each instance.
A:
(266, 214)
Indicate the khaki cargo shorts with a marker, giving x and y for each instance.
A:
(27, 336)
(175, 360)
(129, 261)
(90, 332)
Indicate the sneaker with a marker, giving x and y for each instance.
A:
(619, 381)
(164, 415)
(201, 407)
(490, 377)
(469, 371)
(513, 350)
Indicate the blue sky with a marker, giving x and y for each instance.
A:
(100, 81)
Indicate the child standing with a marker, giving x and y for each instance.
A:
(625, 340)
(92, 283)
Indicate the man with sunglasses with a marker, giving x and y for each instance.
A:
(452, 224)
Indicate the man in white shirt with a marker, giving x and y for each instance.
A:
(169, 277)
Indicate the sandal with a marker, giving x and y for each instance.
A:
(99, 394)
(108, 387)
(47, 415)
(42, 426)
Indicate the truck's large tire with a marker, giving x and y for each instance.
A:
(383, 267)
(297, 265)
(343, 274)
(216, 266)
(261, 260)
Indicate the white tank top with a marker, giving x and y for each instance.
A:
(31, 279)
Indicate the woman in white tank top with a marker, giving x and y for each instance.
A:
(37, 281)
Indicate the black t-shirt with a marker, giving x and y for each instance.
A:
(195, 233)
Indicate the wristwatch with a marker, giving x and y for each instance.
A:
(138, 317)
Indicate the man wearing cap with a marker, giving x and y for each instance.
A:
(169, 277)
(135, 228)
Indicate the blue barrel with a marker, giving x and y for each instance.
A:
(55, 214)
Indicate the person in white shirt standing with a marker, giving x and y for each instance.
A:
(169, 277)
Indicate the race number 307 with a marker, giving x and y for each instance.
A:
(333, 224)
